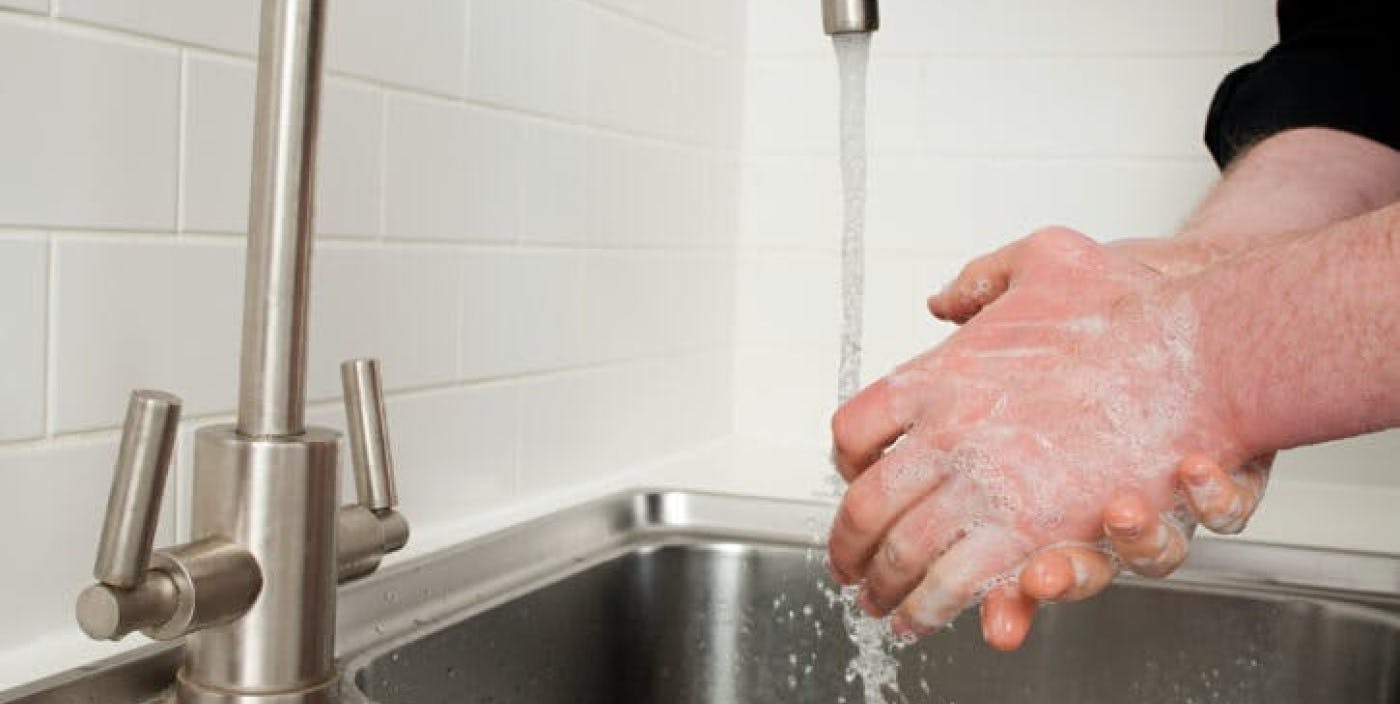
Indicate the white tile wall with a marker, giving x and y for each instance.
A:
(24, 289)
(89, 129)
(230, 25)
(27, 5)
(539, 249)
(142, 313)
(56, 560)
(414, 43)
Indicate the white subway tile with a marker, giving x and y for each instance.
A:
(487, 341)
(24, 266)
(64, 489)
(89, 139)
(668, 189)
(722, 194)
(495, 174)
(219, 143)
(531, 55)
(1251, 26)
(655, 193)
(27, 5)
(399, 305)
(1004, 27)
(717, 23)
(714, 23)
(788, 300)
(136, 314)
(349, 167)
(452, 172)
(935, 204)
(557, 205)
(631, 83)
(544, 294)
(698, 297)
(791, 106)
(687, 184)
(610, 191)
(785, 396)
(1118, 106)
(414, 43)
(785, 28)
(576, 427)
(676, 402)
(621, 316)
(231, 25)
(897, 324)
(793, 201)
(454, 452)
(703, 381)
(895, 106)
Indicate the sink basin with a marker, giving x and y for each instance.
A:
(748, 622)
(688, 597)
(697, 598)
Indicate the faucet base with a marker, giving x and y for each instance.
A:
(276, 497)
(187, 692)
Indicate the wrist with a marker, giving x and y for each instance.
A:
(1296, 337)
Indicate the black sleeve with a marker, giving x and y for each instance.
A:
(1337, 65)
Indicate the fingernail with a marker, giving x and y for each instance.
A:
(836, 574)
(1198, 475)
(1080, 571)
(1124, 527)
(868, 606)
(903, 628)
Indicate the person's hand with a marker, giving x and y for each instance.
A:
(1076, 382)
(1148, 543)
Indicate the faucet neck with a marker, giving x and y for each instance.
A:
(272, 374)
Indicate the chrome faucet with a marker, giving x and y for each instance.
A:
(850, 16)
(255, 590)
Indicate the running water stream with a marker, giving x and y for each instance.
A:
(874, 662)
(852, 60)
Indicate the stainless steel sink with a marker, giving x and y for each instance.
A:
(683, 597)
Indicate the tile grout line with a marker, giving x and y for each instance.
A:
(323, 403)
(348, 242)
(181, 140)
(382, 226)
(50, 330)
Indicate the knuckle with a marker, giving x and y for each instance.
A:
(898, 554)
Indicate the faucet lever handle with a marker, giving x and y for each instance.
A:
(369, 434)
(133, 506)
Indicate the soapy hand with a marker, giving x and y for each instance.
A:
(1075, 380)
(1149, 543)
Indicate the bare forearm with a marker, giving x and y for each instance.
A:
(1291, 183)
(1303, 335)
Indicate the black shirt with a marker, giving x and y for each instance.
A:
(1337, 65)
